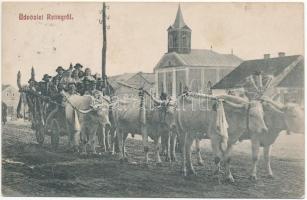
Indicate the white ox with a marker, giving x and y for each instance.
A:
(277, 117)
(222, 120)
(84, 115)
(136, 116)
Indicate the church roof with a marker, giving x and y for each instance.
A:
(179, 22)
(270, 66)
(198, 58)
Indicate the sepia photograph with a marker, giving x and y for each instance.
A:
(153, 100)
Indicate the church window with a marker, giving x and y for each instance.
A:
(209, 86)
(184, 40)
(169, 63)
(180, 88)
(170, 41)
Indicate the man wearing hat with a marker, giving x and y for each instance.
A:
(45, 84)
(71, 88)
(33, 85)
(78, 68)
(56, 80)
(86, 85)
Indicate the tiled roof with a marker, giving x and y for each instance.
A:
(295, 79)
(149, 77)
(270, 66)
(198, 57)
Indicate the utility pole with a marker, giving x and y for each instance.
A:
(104, 41)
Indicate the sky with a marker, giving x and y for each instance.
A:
(137, 37)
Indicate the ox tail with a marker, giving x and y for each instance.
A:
(76, 122)
(222, 125)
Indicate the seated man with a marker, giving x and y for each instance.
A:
(71, 88)
(78, 68)
(88, 74)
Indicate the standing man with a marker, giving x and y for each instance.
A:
(45, 84)
(57, 79)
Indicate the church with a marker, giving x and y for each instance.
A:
(181, 66)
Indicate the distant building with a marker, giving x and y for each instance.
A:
(136, 80)
(287, 72)
(10, 96)
(181, 66)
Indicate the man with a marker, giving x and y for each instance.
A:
(88, 74)
(99, 81)
(91, 89)
(78, 68)
(72, 89)
(45, 84)
(86, 86)
(57, 79)
(33, 85)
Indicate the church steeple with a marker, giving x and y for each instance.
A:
(179, 35)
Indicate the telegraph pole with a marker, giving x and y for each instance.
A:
(104, 41)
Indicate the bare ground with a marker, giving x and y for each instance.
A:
(30, 170)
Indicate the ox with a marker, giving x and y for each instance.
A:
(84, 115)
(136, 116)
(224, 124)
(278, 117)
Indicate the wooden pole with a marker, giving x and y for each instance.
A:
(104, 47)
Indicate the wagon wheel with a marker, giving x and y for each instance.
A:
(40, 134)
(55, 134)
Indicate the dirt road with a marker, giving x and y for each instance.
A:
(30, 170)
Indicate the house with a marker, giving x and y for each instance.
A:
(287, 73)
(10, 96)
(181, 66)
(136, 80)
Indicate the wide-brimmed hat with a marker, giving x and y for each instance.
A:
(59, 68)
(46, 76)
(71, 83)
(31, 79)
(97, 76)
(78, 66)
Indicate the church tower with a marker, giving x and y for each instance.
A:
(179, 35)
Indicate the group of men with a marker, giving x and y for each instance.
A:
(73, 80)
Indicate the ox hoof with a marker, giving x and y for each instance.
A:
(253, 178)
(217, 172)
(184, 173)
(270, 176)
(174, 159)
(230, 179)
(167, 159)
(123, 160)
(201, 163)
(192, 172)
(159, 164)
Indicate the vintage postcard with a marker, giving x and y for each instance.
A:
(152, 99)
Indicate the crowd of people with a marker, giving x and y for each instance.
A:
(72, 80)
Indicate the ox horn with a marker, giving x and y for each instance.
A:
(18, 80)
(236, 105)
(276, 105)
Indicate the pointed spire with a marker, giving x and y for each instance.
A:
(179, 22)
